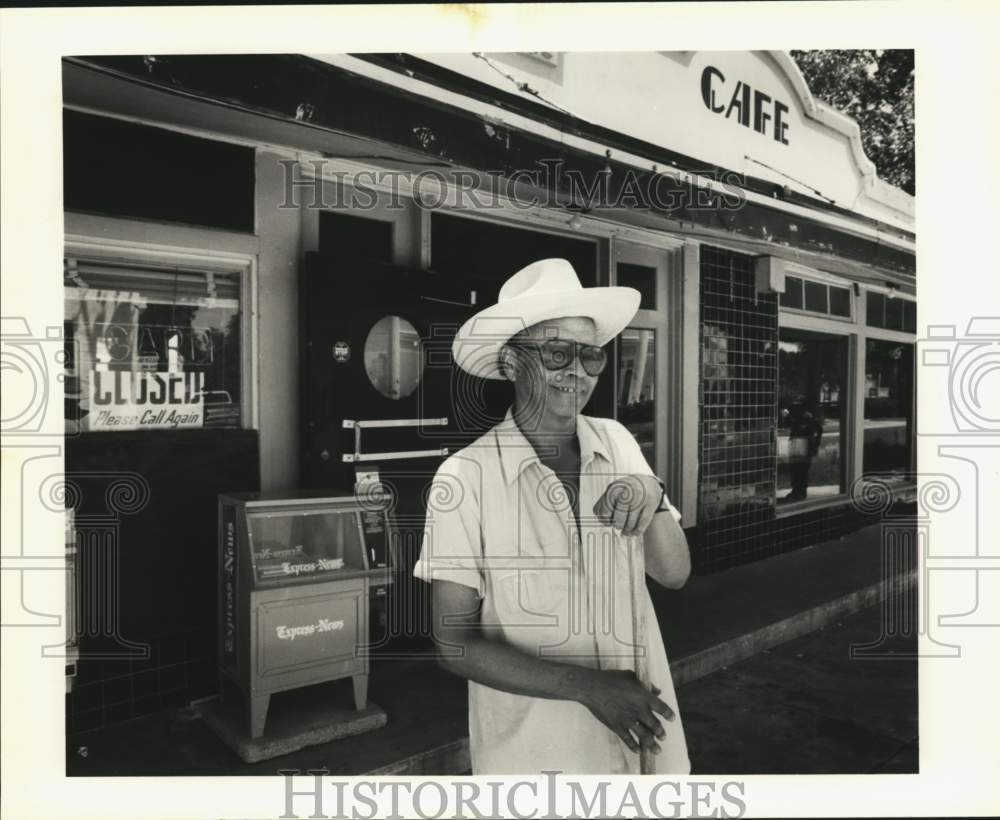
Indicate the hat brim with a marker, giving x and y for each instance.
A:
(477, 343)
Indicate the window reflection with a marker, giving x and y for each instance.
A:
(640, 277)
(144, 340)
(812, 374)
(815, 297)
(311, 542)
(892, 313)
(792, 297)
(393, 357)
(637, 388)
(888, 408)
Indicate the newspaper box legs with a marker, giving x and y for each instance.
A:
(296, 573)
(306, 639)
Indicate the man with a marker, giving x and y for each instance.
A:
(526, 547)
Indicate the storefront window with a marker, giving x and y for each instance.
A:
(840, 302)
(151, 348)
(816, 297)
(393, 357)
(890, 312)
(637, 388)
(812, 376)
(888, 408)
(792, 296)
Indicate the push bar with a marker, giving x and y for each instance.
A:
(358, 426)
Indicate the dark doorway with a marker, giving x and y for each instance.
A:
(464, 246)
(376, 346)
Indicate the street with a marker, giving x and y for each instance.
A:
(806, 707)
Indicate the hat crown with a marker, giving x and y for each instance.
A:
(541, 277)
(544, 290)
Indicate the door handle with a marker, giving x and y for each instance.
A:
(358, 426)
(324, 455)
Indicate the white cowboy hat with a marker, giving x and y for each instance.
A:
(546, 289)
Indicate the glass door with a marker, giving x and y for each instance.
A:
(641, 387)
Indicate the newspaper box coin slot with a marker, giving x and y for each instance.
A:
(295, 573)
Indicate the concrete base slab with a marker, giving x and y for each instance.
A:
(292, 724)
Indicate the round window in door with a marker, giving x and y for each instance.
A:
(394, 359)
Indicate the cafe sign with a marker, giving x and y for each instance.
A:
(138, 400)
(738, 101)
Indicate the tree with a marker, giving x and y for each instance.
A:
(875, 87)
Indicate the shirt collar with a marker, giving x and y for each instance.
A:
(516, 452)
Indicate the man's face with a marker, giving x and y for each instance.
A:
(557, 392)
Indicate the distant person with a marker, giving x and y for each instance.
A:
(804, 434)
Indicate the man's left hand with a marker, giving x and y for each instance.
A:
(629, 503)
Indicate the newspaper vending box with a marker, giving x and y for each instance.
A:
(295, 572)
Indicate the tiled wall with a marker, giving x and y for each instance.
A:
(147, 565)
(180, 668)
(736, 440)
(738, 423)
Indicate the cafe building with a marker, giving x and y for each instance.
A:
(264, 254)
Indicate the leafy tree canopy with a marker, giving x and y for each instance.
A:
(875, 87)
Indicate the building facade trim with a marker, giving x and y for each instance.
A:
(769, 217)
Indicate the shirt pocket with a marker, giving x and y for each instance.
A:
(532, 602)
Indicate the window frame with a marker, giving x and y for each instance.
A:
(242, 265)
(817, 277)
(875, 331)
(828, 325)
(857, 331)
(894, 336)
(865, 332)
(657, 320)
(678, 357)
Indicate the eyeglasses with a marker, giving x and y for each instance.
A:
(558, 354)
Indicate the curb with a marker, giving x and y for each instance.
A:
(690, 668)
(450, 758)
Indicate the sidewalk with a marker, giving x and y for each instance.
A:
(807, 707)
(716, 621)
(719, 619)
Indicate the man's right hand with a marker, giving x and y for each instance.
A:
(616, 698)
(625, 706)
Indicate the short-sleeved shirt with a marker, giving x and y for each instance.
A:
(500, 521)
